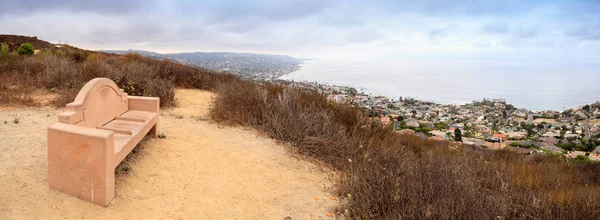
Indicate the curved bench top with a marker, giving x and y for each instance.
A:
(99, 101)
(87, 92)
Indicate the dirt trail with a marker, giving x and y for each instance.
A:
(200, 171)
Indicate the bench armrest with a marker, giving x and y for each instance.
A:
(80, 162)
(150, 104)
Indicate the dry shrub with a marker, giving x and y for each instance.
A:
(384, 175)
(15, 96)
(65, 70)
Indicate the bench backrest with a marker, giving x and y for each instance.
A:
(98, 102)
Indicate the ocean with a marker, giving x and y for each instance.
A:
(534, 86)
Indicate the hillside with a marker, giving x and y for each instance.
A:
(380, 174)
(14, 41)
(247, 65)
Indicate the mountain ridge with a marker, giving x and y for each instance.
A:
(248, 65)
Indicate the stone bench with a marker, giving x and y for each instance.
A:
(95, 133)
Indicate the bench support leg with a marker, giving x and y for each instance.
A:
(154, 130)
(80, 163)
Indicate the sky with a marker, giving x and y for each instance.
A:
(531, 31)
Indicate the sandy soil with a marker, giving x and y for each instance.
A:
(200, 171)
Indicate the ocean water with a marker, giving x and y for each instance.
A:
(535, 86)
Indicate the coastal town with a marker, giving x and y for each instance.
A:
(489, 123)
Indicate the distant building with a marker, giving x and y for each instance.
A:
(405, 131)
(551, 134)
(566, 119)
(436, 138)
(517, 135)
(499, 137)
(411, 122)
(385, 121)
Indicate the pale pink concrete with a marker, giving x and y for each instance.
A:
(98, 130)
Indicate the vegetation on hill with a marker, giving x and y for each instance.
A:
(64, 70)
(14, 41)
(386, 175)
(382, 175)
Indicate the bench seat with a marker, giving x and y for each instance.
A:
(127, 127)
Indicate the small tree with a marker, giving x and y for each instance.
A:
(25, 49)
(458, 135)
(4, 50)
(586, 108)
(540, 126)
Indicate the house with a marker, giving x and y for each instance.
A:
(569, 135)
(405, 131)
(436, 138)
(499, 137)
(519, 150)
(438, 133)
(574, 154)
(473, 141)
(506, 129)
(549, 140)
(551, 134)
(411, 122)
(597, 113)
(517, 135)
(552, 148)
(339, 98)
(385, 121)
(566, 119)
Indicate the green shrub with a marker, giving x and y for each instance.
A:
(3, 50)
(582, 159)
(25, 49)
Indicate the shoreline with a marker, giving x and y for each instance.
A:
(438, 102)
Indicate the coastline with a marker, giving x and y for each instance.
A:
(370, 92)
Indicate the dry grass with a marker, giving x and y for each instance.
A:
(390, 176)
(65, 70)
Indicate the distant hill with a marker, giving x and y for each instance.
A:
(141, 52)
(14, 41)
(247, 65)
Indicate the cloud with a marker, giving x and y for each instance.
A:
(95, 6)
(496, 28)
(586, 32)
(440, 33)
(217, 10)
(527, 32)
(363, 36)
(311, 28)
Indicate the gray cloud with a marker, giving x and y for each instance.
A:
(296, 25)
(461, 8)
(528, 32)
(586, 32)
(439, 33)
(363, 36)
(218, 10)
(495, 28)
(94, 6)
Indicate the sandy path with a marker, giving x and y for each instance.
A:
(200, 171)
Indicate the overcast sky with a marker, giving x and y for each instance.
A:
(505, 30)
